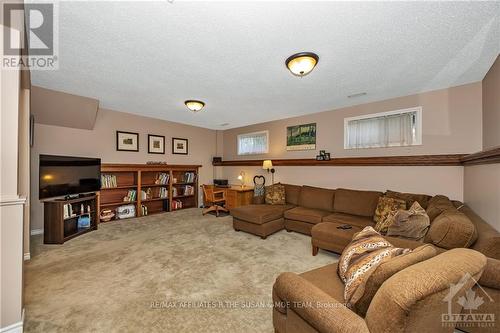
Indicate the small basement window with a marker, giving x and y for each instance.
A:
(387, 129)
(253, 143)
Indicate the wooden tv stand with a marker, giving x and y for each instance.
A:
(59, 228)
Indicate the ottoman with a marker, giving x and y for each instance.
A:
(261, 220)
(328, 236)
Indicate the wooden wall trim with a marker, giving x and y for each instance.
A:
(483, 157)
(109, 167)
(417, 160)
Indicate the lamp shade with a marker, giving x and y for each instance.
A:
(301, 64)
(268, 164)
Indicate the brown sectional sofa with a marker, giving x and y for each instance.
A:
(319, 212)
(307, 209)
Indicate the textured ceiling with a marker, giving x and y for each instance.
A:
(148, 57)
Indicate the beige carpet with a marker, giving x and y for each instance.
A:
(134, 276)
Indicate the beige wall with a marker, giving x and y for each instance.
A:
(482, 182)
(430, 179)
(51, 107)
(101, 142)
(491, 107)
(451, 124)
(482, 191)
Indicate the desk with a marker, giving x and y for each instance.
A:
(236, 195)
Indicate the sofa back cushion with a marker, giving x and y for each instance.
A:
(437, 205)
(410, 198)
(316, 198)
(387, 269)
(360, 203)
(292, 194)
(452, 229)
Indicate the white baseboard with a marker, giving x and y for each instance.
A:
(36, 232)
(14, 328)
(27, 256)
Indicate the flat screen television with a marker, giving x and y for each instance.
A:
(66, 175)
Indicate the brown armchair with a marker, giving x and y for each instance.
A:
(215, 200)
(412, 300)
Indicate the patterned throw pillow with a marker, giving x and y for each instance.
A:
(275, 194)
(386, 209)
(412, 224)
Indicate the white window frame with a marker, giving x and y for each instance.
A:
(266, 132)
(418, 125)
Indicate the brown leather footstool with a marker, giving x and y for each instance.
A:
(327, 236)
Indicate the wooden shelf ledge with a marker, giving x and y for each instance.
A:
(416, 160)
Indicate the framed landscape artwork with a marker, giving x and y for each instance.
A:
(301, 137)
(179, 146)
(156, 144)
(127, 141)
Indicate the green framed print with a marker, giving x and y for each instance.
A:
(301, 137)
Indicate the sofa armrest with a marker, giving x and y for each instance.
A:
(317, 308)
(490, 274)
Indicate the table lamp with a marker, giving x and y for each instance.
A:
(241, 178)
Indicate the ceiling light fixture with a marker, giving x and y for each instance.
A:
(357, 95)
(194, 105)
(301, 64)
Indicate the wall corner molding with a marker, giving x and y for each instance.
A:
(489, 156)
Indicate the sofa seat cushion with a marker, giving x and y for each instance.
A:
(326, 279)
(341, 218)
(361, 203)
(259, 214)
(306, 214)
(328, 236)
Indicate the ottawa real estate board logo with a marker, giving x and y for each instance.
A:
(38, 48)
(473, 302)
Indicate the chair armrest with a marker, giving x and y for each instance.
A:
(490, 274)
(316, 307)
(217, 192)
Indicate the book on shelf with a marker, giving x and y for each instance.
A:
(162, 178)
(108, 181)
(144, 210)
(131, 196)
(189, 177)
(146, 194)
(163, 192)
(174, 191)
(176, 204)
(188, 190)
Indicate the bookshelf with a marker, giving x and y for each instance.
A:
(158, 188)
(61, 218)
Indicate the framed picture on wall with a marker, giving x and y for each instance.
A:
(127, 141)
(301, 137)
(156, 144)
(179, 146)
